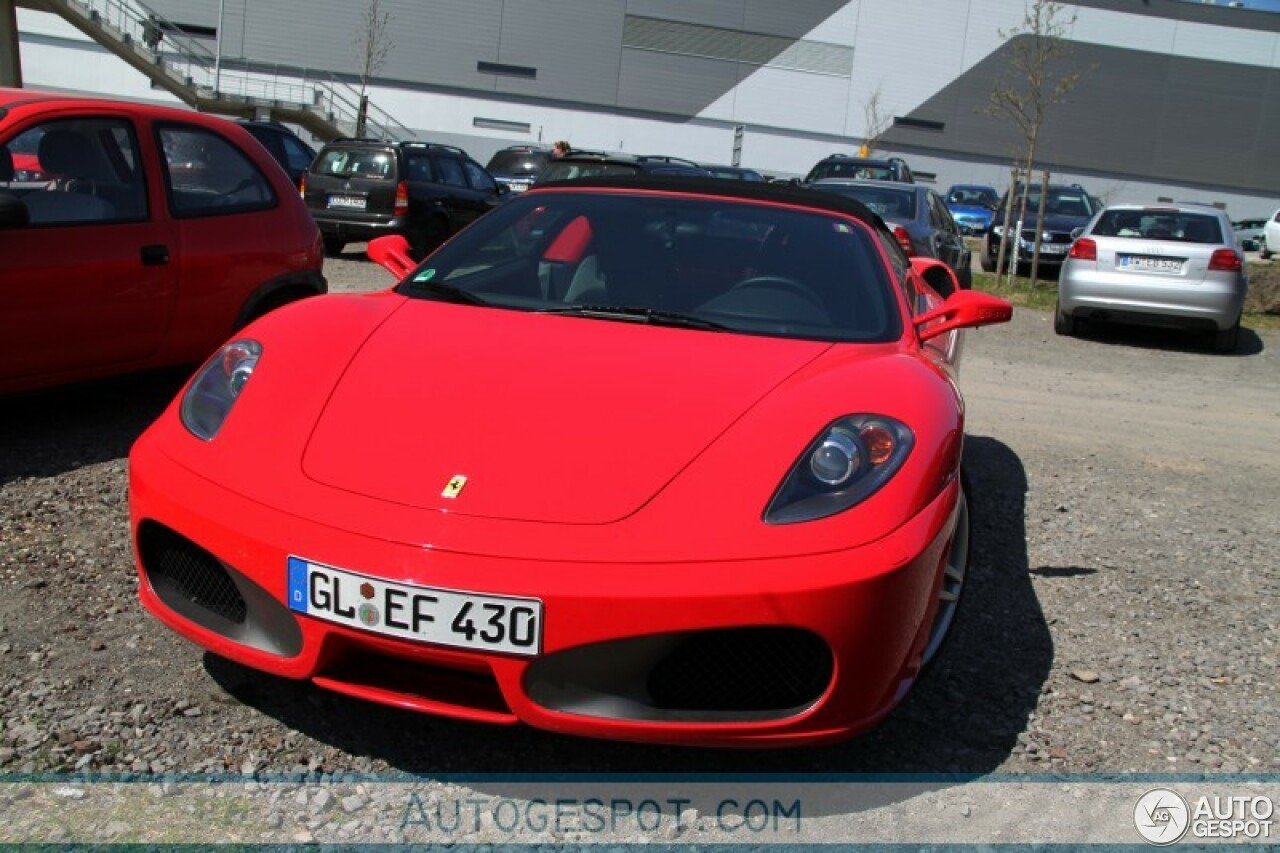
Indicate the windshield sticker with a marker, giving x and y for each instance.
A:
(425, 275)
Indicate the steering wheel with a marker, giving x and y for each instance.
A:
(777, 282)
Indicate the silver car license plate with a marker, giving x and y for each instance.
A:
(1143, 263)
(350, 202)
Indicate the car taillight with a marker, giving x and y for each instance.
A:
(1224, 260)
(402, 199)
(904, 240)
(302, 186)
(1084, 249)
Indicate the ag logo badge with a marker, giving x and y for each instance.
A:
(454, 486)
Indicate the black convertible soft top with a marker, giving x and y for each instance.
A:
(747, 190)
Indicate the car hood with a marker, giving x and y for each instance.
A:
(548, 418)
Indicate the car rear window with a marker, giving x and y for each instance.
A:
(889, 203)
(1184, 227)
(562, 171)
(370, 163)
(518, 162)
(749, 267)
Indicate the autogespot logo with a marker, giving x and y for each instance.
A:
(1161, 816)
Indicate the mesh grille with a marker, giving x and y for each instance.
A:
(193, 572)
(742, 669)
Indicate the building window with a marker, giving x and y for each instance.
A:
(507, 70)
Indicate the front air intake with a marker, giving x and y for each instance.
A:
(178, 567)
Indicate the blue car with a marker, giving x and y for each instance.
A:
(973, 207)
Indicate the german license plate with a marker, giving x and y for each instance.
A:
(447, 617)
(1147, 264)
(1053, 248)
(353, 202)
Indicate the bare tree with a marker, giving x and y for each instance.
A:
(373, 44)
(1038, 78)
(876, 122)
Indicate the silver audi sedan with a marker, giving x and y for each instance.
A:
(1167, 265)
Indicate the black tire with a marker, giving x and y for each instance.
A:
(1064, 324)
(334, 246)
(1228, 339)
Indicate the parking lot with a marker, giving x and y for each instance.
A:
(1121, 617)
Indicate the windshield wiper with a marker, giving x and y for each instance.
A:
(447, 292)
(636, 314)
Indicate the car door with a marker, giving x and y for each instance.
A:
(89, 283)
(227, 230)
(465, 204)
(951, 248)
(483, 183)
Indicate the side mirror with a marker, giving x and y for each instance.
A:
(963, 309)
(13, 212)
(936, 274)
(392, 253)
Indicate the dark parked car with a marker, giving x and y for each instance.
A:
(973, 206)
(597, 164)
(360, 189)
(861, 168)
(916, 215)
(1067, 208)
(518, 166)
(284, 146)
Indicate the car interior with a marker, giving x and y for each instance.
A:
(808, 275)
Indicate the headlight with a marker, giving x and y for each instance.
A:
(217, 386)
(847, 463)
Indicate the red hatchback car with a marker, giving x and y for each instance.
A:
(147, 236)
(656, 459)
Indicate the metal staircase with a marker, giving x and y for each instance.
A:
(186, 68)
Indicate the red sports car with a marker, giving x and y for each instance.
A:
(671, 460)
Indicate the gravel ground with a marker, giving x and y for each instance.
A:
(1121, 615)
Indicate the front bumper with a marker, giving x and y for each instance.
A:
(608, 627)
(1051, 254)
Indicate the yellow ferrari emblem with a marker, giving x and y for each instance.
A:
(454, 486)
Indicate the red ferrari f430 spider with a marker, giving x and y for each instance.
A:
(670, 460)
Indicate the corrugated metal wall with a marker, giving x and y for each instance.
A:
(1175, 90)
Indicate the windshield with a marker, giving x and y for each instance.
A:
(518, 162)
(1181, 226)
(977, 196)
(727, 263)
(1060, 202)
(861, 171)
(562, 170)
(888, 202)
